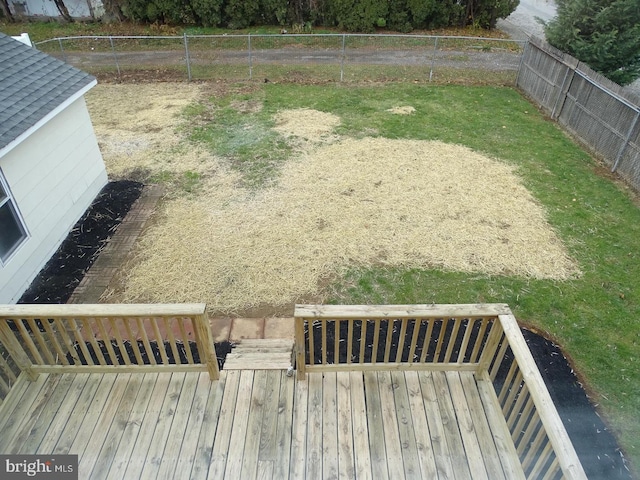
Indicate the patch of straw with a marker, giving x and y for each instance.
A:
(137, 128)
(352, 203)
(306, 123)
(405, 110)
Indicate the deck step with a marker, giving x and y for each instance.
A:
(260, 354)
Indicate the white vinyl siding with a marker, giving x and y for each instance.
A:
(54, 175)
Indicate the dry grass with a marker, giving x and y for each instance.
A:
(348, 203)
(136, 127)
(343, 202)
(403, 110)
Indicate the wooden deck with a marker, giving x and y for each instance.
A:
(263, 424)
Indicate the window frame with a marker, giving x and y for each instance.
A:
(13, 208)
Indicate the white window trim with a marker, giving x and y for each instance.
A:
(5, 187)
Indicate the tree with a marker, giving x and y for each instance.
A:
(64, 12)
(485, 13)
(6, 11)
(604, 34)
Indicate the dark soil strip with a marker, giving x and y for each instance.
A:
(61, 275)
(595, 445)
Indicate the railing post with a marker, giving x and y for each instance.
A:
(490, 347)
(299, 347)
(205, 345)
(13, 347)
(115, 57)
(187, 59)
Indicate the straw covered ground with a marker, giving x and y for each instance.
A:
(339, 202)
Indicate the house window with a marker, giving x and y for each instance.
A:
(12, 231)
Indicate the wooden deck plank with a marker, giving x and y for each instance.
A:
(300, 420)
(362, 460)
(404, 419)
(84, 421)
(94, 440)
(190, 443)
(436, 428)
(466, 426)
(257, 412)
(240, 422)
(151, 415)
(263, 424)
(420, 426)
(284, 426)
(490, 454)
(390, 424)
(268, 449)
(225, 423)
(329, 427)
(132, 427)
(377, 449)
(60, 419)
(14, 399)
(28, 441)
(31, 403)
(199, 467)
(313, 467)
(163, 426)
(450, 426)
(103, 444)
(346, 456)
(76, 418)
(167, 467)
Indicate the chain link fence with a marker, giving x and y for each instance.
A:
(292, 57)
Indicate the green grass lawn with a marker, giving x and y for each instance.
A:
(594, 318)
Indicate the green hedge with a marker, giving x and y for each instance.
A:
(350, 15)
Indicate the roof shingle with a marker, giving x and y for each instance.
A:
(32, 84)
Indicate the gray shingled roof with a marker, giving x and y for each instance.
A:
(32, 84)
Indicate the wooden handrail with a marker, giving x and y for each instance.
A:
(557, 434)
(539, 437)
(79, 337)
(429, 337)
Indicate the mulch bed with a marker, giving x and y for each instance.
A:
(595, 445)
(63, 272)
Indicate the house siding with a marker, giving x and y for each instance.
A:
(54, 175)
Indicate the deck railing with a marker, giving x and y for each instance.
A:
(104, 338)
(483, 338)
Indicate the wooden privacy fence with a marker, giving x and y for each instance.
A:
(484, 339)
(600, 113)
(104, 338)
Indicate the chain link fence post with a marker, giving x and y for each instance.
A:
(64, 55)
(344, 40)
(186, 53)
(433, 58)
(115, 57)
(250, 60)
